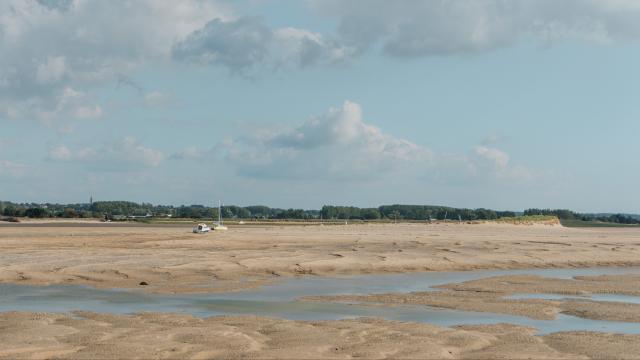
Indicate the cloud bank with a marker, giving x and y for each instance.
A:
(248, 43)
(408, 28)
(125, 154)
(341, 146)
(53, 47)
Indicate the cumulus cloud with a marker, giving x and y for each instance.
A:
(499, 158)
(125, 154)
(50, 45)
(69, 103)
(341, 146)
(408, 28)
(246, 43)
(336, 145)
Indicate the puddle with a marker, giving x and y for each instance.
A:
(278, 300)
(409, 282)
(594, 297)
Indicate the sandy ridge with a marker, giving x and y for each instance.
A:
(174, 260)
(175, 336)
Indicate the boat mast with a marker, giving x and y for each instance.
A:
(219, 212)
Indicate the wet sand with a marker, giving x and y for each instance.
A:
(172, 259)
(488, 295)
(173, 336)
(456, 300)
(628, 284)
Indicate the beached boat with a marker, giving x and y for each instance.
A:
(201, 229)
(219, 226)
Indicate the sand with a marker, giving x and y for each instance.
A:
(489, 295)
(174, 336)
(172, 259)
(625, 284)
(469, 301)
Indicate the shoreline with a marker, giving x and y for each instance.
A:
(492, 295)
(94, 335)
(173, 260)
(250, 283)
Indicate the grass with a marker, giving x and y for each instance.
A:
(529, 219)
(580, 223)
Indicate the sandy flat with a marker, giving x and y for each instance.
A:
(625, 284)
(489, 295)
(179, 336)
(172, 259)
(175, 336)
(457, 300)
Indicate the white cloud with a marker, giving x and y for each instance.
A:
(408, 28)
(495, 163)
(337, 145)
(499, 158)
(341, 146)
(68, 103)
(246, 43)
(50, 45)
(126, 154)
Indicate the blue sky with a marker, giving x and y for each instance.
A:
(486, 103)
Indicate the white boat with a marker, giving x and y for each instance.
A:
(201, 229)
(219, 225)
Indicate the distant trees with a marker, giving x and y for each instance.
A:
(564, 214)
(617, 218)
(114, 209)
(121, 208)
(11, 210)
(36, 213)
(411, 212)
(196, 212)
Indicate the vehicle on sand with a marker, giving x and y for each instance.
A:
(201, 229)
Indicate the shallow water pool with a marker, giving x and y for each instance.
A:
(278, 300)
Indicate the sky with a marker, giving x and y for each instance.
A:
(469, 103)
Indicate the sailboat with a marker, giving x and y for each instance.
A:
(219, 225)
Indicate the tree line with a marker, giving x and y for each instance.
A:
(564, 214)
(412, 212)
(128, 209)
(124, 209)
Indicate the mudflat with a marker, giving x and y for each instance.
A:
(179, 336)
(490, 295)
(172, 259)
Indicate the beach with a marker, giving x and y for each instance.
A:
(172, 260)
